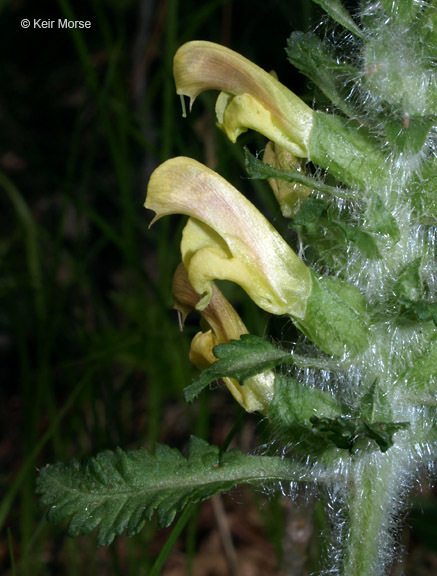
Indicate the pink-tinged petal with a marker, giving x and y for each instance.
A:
(228, 238)
(251, 97)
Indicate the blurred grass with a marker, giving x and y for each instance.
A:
(92, 356)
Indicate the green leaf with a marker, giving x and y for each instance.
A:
(335, 318)
(364, 241)
(348, 152)
(239, 359)
(379, 219)
(338, 12)
(423, 193)
(394, 74)
(118, 492)
(373, 404)
(409, 284)
(347, 433)
(426, 311)
(262, 171)
(426, 25)
(292, 407)
(313, 58)
(422, 374)
(296, 402)
(309, 212)
(313, 420)
(408, 134)
(404, 11)
(409, 291)
(421, 310)
(382, 432)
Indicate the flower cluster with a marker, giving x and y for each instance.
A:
(227, 238)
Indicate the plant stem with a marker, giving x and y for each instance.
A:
(372, 500)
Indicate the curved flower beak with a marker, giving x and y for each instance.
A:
(223, 324)
(227, 238)
(250, 98)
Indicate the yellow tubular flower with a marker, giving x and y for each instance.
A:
(227, 238)
(224, 325)
(250, 98)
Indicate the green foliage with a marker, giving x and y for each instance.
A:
(291, 410)
(338, 12)
(397, 73)
(314, 421)
(408, 134)
(336, 319)
(348, 434)
(409, 284)
(315, 214)
(310, 212)
(347, 152)
(421, 310)
(117, 492)
(410, 292)
(379, 220)
(422, 374)
(316, 60)
(424, 193)
(262, 171)
(239, 359)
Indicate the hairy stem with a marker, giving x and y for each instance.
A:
(372, 497)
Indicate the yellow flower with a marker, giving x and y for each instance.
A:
(222, 325)
(250, 98)
(227, 238)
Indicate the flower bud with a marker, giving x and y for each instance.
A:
(224, 325)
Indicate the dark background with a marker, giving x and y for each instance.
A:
(92, 357)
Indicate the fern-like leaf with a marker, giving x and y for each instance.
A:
(119, 491)
(239, 359)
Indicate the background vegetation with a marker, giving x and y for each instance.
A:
(92, 356)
